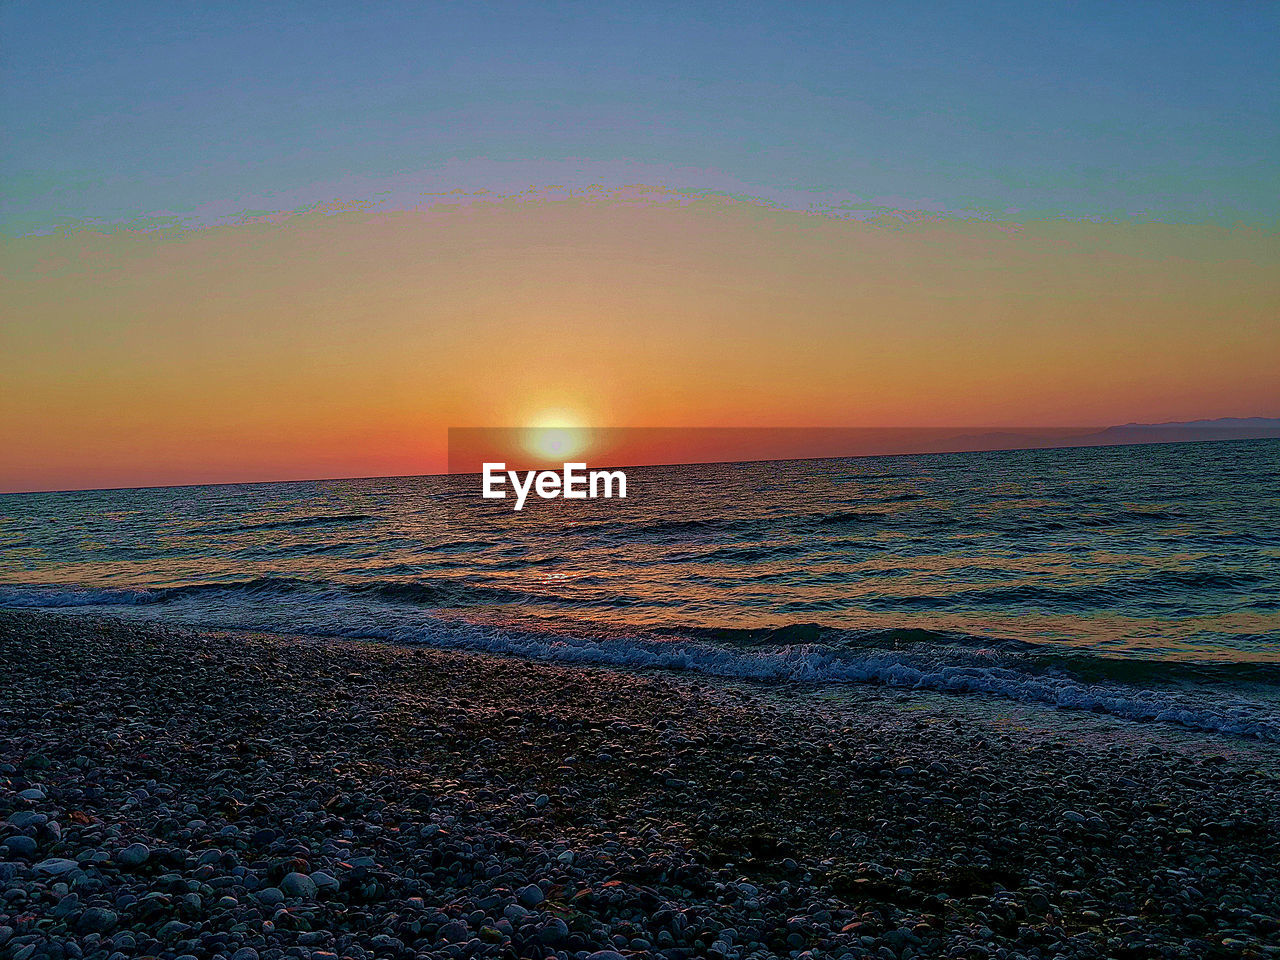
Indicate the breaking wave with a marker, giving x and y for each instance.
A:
(805, 653)
(812, 664)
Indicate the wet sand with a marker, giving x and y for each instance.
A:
(175, 793)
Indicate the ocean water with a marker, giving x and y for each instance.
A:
(1138, 581)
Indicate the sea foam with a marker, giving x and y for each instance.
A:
(286, 605)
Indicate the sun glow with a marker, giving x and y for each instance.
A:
(560, 418)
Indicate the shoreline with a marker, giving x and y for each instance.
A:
(1236, 698)
(337, 798)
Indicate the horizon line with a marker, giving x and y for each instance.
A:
(697, 463)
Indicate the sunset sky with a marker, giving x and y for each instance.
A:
(268, 241)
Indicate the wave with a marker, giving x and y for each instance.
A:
(289, 524)
(889, 638)
(755, 554)
(523, 563)
(419, 592)
(662, 531)
(437, 592)
(425, 592)
(1155, 590)
(1034, 659)
(462, 546)
(649, 530)
(55, 596)
(847, 517)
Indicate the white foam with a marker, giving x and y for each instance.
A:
(813, 664)
(337, 613)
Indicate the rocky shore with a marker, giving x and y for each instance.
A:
(180, 794)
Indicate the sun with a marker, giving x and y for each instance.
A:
(556, 435)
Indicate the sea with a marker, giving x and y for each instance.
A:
(1138, 581)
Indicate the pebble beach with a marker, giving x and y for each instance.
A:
(175, 793)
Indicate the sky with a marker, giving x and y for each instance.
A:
(264, 241)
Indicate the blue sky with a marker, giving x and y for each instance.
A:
(126, 111)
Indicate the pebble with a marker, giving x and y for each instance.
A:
(134, 855)
(298, 886)
(269, 896)
(442, 817)
(56, 866)
(324, 880)
(530, 895)
(555, 931)
(455, 931)
(20, 846)
(97, 920)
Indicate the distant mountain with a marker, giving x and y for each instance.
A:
(1181, 431)
(1224, 428)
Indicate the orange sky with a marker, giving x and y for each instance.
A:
(345, 343)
